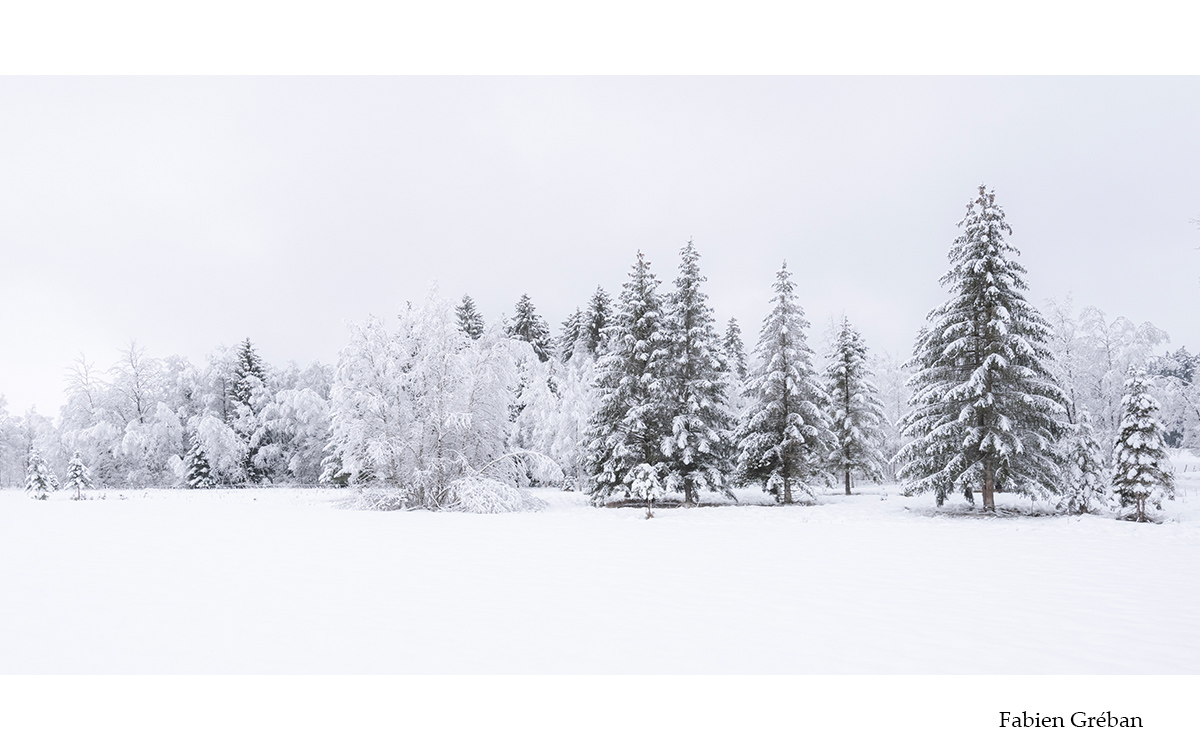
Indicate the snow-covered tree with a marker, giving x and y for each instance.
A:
(985, 409)
(1141, 467)
(422, 414)
(1085, 484)
(856, 414)
(694, 450)
(735, 350)
(249, 395)
(292, 433)
(470, 320)
(894, 393)
(530, 327)
(558, 403)
(197, 472)
(645, 486)
(223, 448)
(78, 476)
(784, 436)
(571, 331)
(39, 479)
(595, 321)
(631, 420)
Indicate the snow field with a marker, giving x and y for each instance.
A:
(286, 581)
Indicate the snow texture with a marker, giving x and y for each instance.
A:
(286, 581)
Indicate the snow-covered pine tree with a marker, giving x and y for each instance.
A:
(1140, 463)
(1084, 482)
(39, 479)
(627, 428)
(696, 457)
(470, 320)
(527, 325)
(248, 395)
(572, 329)
(985, 409)
(784, 436)
(856, 414)
(197, 472)
(249, 375)
(595, 320)
(735, 350)
(78, 476)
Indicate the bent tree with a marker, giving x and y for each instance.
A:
(985, 409)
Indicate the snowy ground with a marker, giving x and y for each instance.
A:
(285, 581)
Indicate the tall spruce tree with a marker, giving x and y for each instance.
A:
(628, 427)
(595, 320)
(735, 350)
(78, 476)
(248, 395)
(1140, 463)
(528, 326)
(470, 320)
(696, 458)
(39, 479)
(985, 409)
(856, 414)
(784, 436)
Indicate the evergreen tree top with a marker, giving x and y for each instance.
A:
(528, 326)
(470, 320)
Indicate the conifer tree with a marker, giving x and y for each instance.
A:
(735, 350)
(197, 471)
(628, 427)
(572, 330)
(784, 435)
(985, 409)
(1084, 482)
(694, 449)
(249, 395)
(528, 326)
(39, 479)
(595, 320)
(470, 320)
(1140, 463)
(248, 375)
(856, 414)
(78, 476)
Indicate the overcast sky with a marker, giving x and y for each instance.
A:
(187, 213)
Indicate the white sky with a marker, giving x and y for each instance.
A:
(191, 212)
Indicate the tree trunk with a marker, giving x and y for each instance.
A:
(989, 489)
(787, 490)
(847, 481)
(689, 492)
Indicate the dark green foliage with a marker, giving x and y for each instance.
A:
(528, 326)
(856, 414)
(985, 409)
(784, 436)
(694, 448)
(572, 329)
(470, 320)
(595, 320)
(628, 427)
(1141, 466)
(735, 350)
(197, 472)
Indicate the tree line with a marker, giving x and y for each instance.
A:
(642, 398)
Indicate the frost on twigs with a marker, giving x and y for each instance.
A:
(496, 488)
